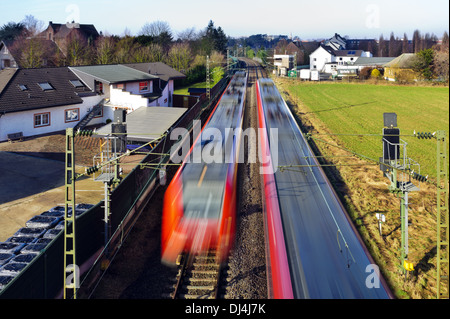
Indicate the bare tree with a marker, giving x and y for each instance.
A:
(156, 53)
(405, 44)
(216, 59)
(36, 52)
(33, 26)
(155, 29)
(188, 35)
(445, 41)
(179, 56)
(76, 51)
(441, 63)
(125, 48)
(417, 41)
(104, 48)
(382, 47)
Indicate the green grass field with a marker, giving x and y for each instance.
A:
(358, 109)
(200, 85)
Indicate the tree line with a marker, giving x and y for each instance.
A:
(396, 46)
(154, 43)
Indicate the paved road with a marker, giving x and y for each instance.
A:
(327, 259)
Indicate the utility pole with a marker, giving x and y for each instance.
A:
(71, 280)
(208, 80)
(295, 65)
(442, 217)
(228, 62)
(396, 168)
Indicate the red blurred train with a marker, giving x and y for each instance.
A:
(199, 212)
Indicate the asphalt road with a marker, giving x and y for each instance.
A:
(327, 259)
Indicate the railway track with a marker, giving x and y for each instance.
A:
(199, 277)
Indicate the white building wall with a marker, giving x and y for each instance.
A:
(24, 121)
(5, 55)
(318, 59)
(119, 97)
(133, 87)
(164, 99)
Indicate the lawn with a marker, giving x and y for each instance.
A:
(200, 85)
(358, 109)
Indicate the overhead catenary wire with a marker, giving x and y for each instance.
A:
(365, 157)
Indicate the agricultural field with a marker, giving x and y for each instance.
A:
(359, 108)
(351, 116)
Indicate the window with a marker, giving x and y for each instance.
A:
(45, 86)
(98, 87)
(76, 83)
(42, 119)
(143, 86)
(72, 115)
(23, 87)
(99, 113)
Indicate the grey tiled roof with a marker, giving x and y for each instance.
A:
(158, 69)
(115, 73)
(14, 99)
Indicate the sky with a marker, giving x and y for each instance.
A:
(307, 19)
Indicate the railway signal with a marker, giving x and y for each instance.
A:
(395, 165)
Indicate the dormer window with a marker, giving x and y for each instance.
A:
(76, 83)
(45, 86)
(23, 87)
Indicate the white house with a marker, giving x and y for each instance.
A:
(167, 76)
(327, 60)
(45, 100)
(6, 58)
(129, 86)
(321, 56)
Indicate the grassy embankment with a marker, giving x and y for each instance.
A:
(342, 108)
(200, 85)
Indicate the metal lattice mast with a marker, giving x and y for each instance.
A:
(71, 280)
(228, 62)
(208, 80)
(442, 217)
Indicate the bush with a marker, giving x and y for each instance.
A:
(375, 74)
(365, 73)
